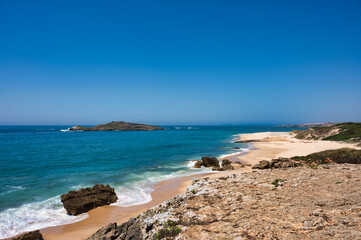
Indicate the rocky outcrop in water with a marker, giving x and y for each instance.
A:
(293, 203)
(210, 162)
(117, 126)
(198, 164)
(35, 235)
(207, 162)
(85, 199)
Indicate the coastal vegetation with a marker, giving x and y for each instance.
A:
(343, 155)
(349, 131)
(170, 229)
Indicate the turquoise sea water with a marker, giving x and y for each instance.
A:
(39, 163)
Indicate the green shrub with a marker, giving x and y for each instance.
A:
(342, 155)
(169, 229)
(277, 181)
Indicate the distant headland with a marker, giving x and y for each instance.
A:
(117, 126)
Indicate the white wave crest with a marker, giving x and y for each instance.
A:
(132, 196)
(191, 163)
(12, 189)
(33, 216)
(242, 150)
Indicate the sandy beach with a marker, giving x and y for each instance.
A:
(269, 145)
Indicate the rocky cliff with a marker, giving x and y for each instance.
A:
(117, 126)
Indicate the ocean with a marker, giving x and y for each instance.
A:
(39, 163)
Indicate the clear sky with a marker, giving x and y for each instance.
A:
(180, 62)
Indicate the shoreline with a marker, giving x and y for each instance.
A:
(104, 215)
(162, 191)
(270, 145)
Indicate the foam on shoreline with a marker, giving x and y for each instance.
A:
(50, 212)
(33, 216)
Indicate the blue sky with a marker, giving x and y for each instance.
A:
(180, 62)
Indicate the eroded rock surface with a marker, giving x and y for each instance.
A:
(35, 235)
(292, 203)
(210, 162)
(277, 163)
(227, 165)
(85, 199)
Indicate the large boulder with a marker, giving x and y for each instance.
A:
(210, 162)
(35, 235)
(85, 199)
(227, 165)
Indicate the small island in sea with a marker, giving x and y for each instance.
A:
(117, 126)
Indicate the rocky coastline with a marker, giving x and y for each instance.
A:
(297, 203)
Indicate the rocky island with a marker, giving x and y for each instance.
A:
(117, 126)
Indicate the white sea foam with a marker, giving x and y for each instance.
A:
(133, 196)
(33, 216)
(191, 163)
(239, 151)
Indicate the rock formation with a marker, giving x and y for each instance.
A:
(85, 199)
(214, 164)
(198, 164)
(293, 203)
(35, 235)
(210, 162)
(117, 126)
(207, 162)
(227, 165)
(277, 163)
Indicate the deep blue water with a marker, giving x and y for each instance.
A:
(39, 163)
